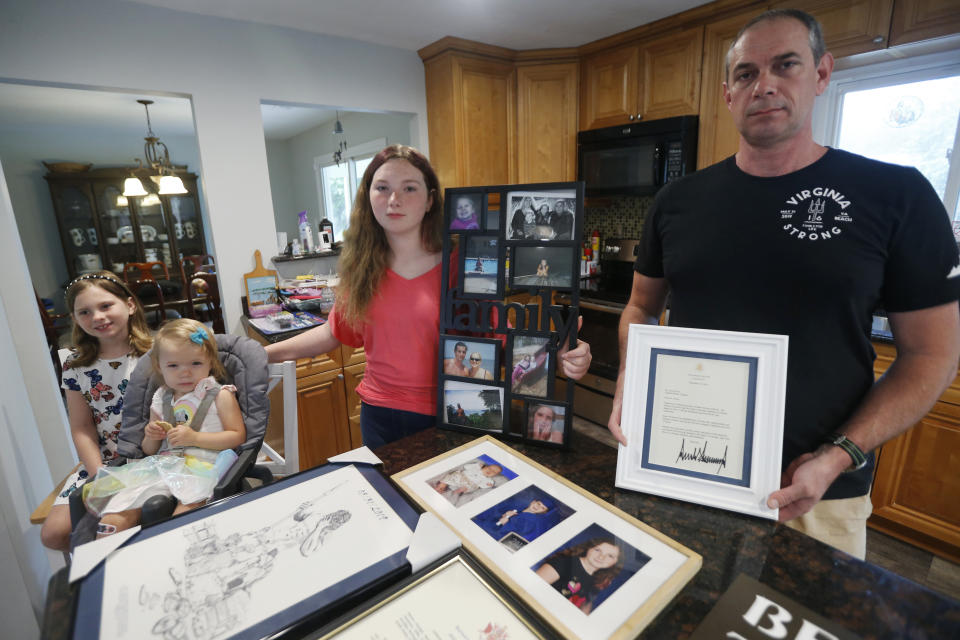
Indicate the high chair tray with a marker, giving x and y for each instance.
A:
(283, 559)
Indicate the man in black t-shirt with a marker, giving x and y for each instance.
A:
(790, 237)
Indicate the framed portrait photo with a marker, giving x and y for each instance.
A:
(472, 406)
(480, 273)
(531, 365)
(465, 210)
(540, 266)
(703, 416)
(590, 570)
(547, 422)
(470, 357)
(541, 215)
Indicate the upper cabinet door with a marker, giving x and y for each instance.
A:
(547, 122)
(849, 26)
(915, 20)
(487, 117)
(609, 87)
(670, 84)
(718, 138)
(471, 119)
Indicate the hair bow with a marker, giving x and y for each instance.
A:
(199, 335)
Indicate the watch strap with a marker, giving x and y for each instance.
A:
(856, 454)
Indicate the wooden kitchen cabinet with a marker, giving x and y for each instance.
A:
(328, 407)
(609, 87)
(849, 26)
(647, 80)
(718, 137)
(547, 122)
(916, 488)
(322, 415)
(471, 119)
(915, 20)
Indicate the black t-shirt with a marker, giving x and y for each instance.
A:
(574, 583)
(810, 254)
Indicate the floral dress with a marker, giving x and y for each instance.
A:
(102, 385)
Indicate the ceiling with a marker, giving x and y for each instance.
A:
(516, 24)
(413, 24)
(25, 105)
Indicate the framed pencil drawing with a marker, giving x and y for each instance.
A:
(286, 557)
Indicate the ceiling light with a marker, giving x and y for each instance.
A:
(158, 158)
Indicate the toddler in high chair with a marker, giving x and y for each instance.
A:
(193, 419)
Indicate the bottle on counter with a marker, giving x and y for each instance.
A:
(326, 227)
(306, 233)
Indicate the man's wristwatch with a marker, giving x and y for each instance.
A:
(856, 454)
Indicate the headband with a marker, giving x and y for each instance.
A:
(95, 276)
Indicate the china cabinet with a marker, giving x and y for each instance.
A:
(101, 229)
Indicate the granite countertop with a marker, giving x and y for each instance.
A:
(864, 598)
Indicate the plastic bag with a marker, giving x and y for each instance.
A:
(188, 479)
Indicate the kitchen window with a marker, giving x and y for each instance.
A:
(337, 183)
(904, 112)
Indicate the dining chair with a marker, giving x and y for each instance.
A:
(190, 265)
(203, 300)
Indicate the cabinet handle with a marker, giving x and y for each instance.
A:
(339, 376)
(639, 116)
(630, 117)
(878, 39)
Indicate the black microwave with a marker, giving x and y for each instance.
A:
(636, 158)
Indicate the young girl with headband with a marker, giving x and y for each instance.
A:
(193, 419)
(109, 334)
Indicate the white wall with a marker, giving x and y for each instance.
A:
(295, 157)
(27, 451)
(227, 68)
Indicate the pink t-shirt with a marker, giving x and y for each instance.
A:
(400, 338)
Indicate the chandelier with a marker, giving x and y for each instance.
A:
(158, 160)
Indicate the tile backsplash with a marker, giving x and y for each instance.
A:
(616, 217)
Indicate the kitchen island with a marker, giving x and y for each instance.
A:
(864, 598)
(867, 600)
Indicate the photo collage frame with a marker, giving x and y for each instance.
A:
(587, 568)
(507, 250)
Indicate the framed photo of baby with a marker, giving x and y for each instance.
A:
(472, 479)
(465, 211)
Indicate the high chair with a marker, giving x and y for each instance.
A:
(247, 369)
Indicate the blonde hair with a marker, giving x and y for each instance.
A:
(86, 346)
(366, 252)
(185, 331)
